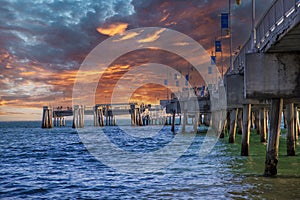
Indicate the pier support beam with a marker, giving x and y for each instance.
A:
(232, 130)
(273, 138)
(246, 129)
(290, 136)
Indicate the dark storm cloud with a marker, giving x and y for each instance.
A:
(55, 31)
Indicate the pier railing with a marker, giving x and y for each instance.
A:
(274, 19)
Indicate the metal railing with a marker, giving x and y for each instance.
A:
(279, 12)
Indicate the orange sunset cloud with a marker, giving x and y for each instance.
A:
(113, 29)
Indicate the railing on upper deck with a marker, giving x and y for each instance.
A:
(279, 12)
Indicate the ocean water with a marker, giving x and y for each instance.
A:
(54, 163)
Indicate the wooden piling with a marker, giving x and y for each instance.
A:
(106, 115)
(95, 113)
(215, 119)
(184, 122)
(253, 120)
(140, 122)
(221, 121)
(284, 119)
(257, 122)
(102, 117)
(199, 119)
(263, 125)
(246, 129)
(226, 124)
(54, 121)
(75, 117)
(47, 117)
(290, 136)
(240, 121)
(81, 117)
(78, 117)
(50, 114)
(173, 121)
(227, 127)
(195, 123)
(44, 117)
(180, 119)
(273, 138)
(296, 124)
(222, 135)
(267, 121)
(232, 131)
(114, 121)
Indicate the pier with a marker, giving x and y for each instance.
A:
(264, 81)
(262, 85)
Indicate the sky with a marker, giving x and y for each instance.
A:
(43, 44)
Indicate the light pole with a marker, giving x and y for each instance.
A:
(230, 32)
(253, 33)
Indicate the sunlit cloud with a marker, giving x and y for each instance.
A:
(164, 18)
(127, 36)
(113, 29)
(152, 37)
(181, 44)
(170, 23)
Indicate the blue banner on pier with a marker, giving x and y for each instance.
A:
(166, 82)
(218, 46)
(187, 80)
(224, 20)
(213, 60)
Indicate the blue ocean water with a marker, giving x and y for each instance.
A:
(54, 163)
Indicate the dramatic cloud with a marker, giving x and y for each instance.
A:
(43, 43)
(113, 29)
